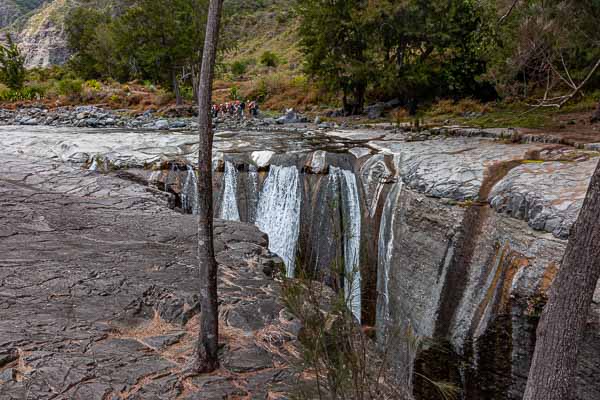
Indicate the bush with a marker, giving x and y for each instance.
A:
(234, 93)
(12, 65)
(24, 94)
(93, 84)
(239, 67)
(269, 59)
(70, 87)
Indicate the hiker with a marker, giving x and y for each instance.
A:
(238, 110)
(242, 108)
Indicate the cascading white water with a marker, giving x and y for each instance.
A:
(252, 193)
(351, 233)
(278, 213)
(385, 249)
(229, 207)
(189, 193)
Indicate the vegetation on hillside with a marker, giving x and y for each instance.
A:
(430, 58)
(12, 69)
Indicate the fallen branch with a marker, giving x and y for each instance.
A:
(558, 102)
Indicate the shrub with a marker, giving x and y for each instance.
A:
(24, 94)
(12, 65)
(93, 85)
(70, 87)
(269, 59)
(234, 93)
(239, 67)
(299, 81)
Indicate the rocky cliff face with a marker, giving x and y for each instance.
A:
(9, 12)
(42, 38)
(454, 240)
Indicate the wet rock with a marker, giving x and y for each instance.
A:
(317, 163)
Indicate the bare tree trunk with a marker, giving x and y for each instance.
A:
(178, 99)
(207, 347)
(563, 321)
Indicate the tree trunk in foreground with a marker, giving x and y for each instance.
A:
(207, 348)
(564, 317)
(176, 90)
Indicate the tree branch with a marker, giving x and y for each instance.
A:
(560, 101)
(507, 14)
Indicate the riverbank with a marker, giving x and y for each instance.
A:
(452, 233)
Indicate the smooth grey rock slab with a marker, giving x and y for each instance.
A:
(98, 289)
(547, 195)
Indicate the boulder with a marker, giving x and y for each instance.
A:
(291, 117)
(375, 111)
(161, 124)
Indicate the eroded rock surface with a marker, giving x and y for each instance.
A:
(98, 294)
(459, 236)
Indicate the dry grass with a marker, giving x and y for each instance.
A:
(450, 107)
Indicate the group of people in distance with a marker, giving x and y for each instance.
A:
(235, 109)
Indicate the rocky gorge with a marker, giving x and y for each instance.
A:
(452, 234)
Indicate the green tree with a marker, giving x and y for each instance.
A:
(12, 65)
(92, 41)
(157, 40)
(414, 50)
(162, 38)
(427, 48)
(335, 44)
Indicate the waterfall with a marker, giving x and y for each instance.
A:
(253, 193)
(278, 213)
(189, 193)
(351, 216)
(229, 207)
(385, 249)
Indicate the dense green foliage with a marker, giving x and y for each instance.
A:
(412, 50)
(420, 50)
(12, 69)
(269, 59)
(335, 42)
(153, 40)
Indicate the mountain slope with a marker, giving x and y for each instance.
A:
(11, 10)
(42, 36)
(257, 26)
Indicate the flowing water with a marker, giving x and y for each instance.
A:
(189, 193)
(385, 247)
(229, 208)
(278, 213)
(351, 216)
